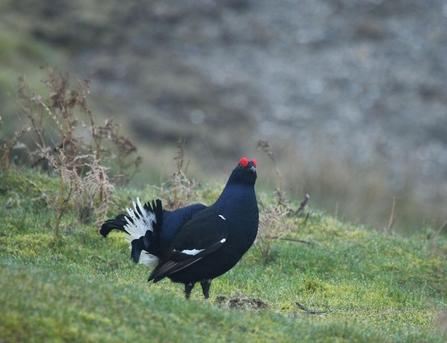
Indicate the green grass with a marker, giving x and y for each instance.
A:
(81, 287)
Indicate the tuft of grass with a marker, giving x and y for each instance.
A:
(178, 191)
(272, 221)
(362, 285)
(64, 138)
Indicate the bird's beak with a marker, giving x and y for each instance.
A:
(253, 169)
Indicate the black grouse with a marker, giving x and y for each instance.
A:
(195, 243)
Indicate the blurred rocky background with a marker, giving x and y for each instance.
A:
(350, 94)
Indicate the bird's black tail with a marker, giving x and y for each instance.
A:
(114, 224)
(143, 224)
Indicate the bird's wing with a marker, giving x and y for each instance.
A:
(205, 233)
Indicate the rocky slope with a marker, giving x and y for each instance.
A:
(350, 90)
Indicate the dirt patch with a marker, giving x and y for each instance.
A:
(241, 302)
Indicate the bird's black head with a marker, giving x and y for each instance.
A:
(245, 172)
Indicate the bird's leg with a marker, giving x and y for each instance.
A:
(188, 289)
(206, 284)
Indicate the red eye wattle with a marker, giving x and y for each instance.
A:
(254, 162)
(243, 162)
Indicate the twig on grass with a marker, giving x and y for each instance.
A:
(6, 145)
(264, 146)
(295, 240)
(441, 227)
(307, 217)
(308, 311)
(392, 219)
(300, 209)
(303, 204)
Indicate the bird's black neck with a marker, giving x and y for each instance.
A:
(238, 203)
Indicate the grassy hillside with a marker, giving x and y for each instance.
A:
(369, 287)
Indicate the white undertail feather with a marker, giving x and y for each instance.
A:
(148, 260)
(137, 227)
